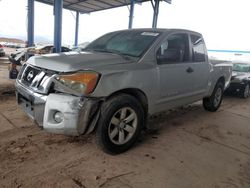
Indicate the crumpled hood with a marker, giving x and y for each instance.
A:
(73, 61)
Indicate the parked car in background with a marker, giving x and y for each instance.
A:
(12, 45)
(23, 54)
(2, 52)
(240, 80)
(118, 81)
(46, 49)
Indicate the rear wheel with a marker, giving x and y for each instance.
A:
(213, 102)
(120, 124)
(246, 91)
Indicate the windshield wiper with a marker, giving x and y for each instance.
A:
(123, 55)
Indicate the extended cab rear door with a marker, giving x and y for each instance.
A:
(176, 71)
(200, 65)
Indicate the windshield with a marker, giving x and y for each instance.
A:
(241, 67)
(131, 43)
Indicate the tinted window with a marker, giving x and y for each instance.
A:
(133, 43)
(173, 50)
(198, 48)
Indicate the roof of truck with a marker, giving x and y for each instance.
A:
(162, 30)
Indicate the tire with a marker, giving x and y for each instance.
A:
(114, 134)
(245, 92)
(213, 102)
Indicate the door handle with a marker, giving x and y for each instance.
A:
(190, 70)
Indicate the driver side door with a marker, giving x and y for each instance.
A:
(175, 70)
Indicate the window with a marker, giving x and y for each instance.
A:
(241, 67)
(198, 48)
(174, 50)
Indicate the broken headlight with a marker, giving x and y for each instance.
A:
(80, 83)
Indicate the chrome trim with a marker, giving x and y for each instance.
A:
(41, 82)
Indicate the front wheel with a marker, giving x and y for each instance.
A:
(213, 102)
(246, 91)
(120, 124)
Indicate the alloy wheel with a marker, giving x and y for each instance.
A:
(217, 97)
(123, 125)
(246, 91)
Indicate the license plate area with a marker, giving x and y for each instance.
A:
(26, 104)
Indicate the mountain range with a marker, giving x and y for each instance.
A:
(22, 39)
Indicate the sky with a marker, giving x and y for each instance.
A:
(223, 23)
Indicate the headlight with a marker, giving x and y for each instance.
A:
(81, 82)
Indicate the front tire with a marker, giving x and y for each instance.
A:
(246, 91)
(120, 124)
(213, 102)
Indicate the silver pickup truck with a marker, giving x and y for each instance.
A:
(118, 81)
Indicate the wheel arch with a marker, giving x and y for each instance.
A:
(221, 79)
(137, 93)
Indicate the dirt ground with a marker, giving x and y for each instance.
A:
(192, 148)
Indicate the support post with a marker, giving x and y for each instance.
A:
(58, 8)
(131, 13)
(77, 28)
(30, 33)
(156, 12)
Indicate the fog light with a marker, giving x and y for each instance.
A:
(58, 117)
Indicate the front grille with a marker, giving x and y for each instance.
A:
(35, 78)
(30, 74)
(21, 71)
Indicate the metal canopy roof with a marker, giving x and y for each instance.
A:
(88, 6)
(83, 6)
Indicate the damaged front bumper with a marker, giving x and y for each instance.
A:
(79, 115)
